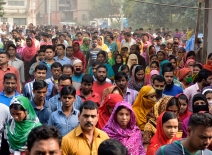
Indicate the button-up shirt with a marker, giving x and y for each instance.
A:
(63, 123)
(75, 142)
(190, 92)
(28, 90)
(19, 65)
(56, 104)
(5, 99)
(93, 97)
(130, 95)
(63, 61)
(44, 113)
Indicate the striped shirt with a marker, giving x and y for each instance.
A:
(130, 95)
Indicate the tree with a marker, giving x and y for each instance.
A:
(1, 9)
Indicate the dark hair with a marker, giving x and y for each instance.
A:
(40, 67)
(9, 76)
(78, 33)
(63, 46)
(167, 69)
(88, 105)
(49, 47)
(155, 62)
(112, 147)
(17, 38)
(69, 47)
(6, 53)
(101, 66)
(167, 116)
(120, 75)
(131, 68)
(95, 63)
(56, 65)
(207, 92)
(37, 85)
(68, 66)
(190, 53)
(203, 75)
(43, 132)
(183, 97)
(32, 31)
(128, 34)
(199, 66)
(68, 90)
(138, 68)
(61, 35)
(11, 45)
(173, 101)
(41, 50)
(16, 106)
(197, 119)
(210, 55)
(64, 77)
(103, 53)
(87, 78)
(159, 78)
(45, 34)
(172, 57)
(121, 107)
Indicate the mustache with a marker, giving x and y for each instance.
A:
(88, 123)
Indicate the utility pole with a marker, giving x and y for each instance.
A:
(122, 16)
(48, 4)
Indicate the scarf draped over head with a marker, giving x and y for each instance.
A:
(161, 65)
(160, 139)
(186, 113)
(199, 108)
(104, 47)
(208, 66)
(104, 115)
(188, 61)
(132, 56)
(84, 48)
(182, 73)
(29, 52)
(153, 72)
(142, 105)
(130, 137)
(18, 132)
(116, 66)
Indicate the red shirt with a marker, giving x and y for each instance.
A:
(13, 70)
(93, 97)
(99, 88)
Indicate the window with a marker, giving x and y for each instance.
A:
(62, 2)
(68, 2)
(61, 8)
(19, 21)
(68, 8)
(3, 19)
(16, 2)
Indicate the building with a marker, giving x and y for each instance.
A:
(20, 12)
(63, 11)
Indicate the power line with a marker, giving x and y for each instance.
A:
(39, 5)
(170, 5)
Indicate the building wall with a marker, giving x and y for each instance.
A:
(209, 25)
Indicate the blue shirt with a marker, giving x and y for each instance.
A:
(56, 104)
(48, 73)
(173, 91)
(5, 99)
(64, 124)
(28, 90)
(44, 113)
(77, 78)
(63, 61)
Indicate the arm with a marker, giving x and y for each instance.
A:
(22, 73)
(65, 147)
(32, 69)
(51, 120)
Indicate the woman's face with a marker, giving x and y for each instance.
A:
(29, 43)
(199, 102)
(123, 117)
(153, 50)
(196, 70)
(18, 115)
(169, 45)
(153, 67)
(191, 65)
(101, 58)
(170, 128)
(152, 97)
(99, 41)
(191, 57)
(210, 61)
(154, 58)
(186, 77)
(132, 49)
(209, 97)
(161, 56)
(126, 71)
(174, 109)
(183, 106)
(140, 75)
(181, 53)
(174, 63)
(115, 54)
(133, 61)
(118, 59)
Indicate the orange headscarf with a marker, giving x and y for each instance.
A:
(208, 66)
(182, 73)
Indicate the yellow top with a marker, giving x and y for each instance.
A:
(75, 143)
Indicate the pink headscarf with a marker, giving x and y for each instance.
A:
(188, 61)
(153, 72)
(130, 137)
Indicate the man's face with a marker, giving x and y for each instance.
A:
(132, 49)
(40, 75)
(108, 38)
(88, 119)
(49, 54)
(101, 58)
(94, 70)
(40, 94)
(122, 83)
(126, 38)
(207, 82)
(69, 52)
(169, 77)
(78, 68)
(101, 74)
(158, 42)
(54, 43)
(56, 72)
(64, 83)
(158, 85)
(45, 147)
(11, 51)
(41, 56)
(144, 38)
(200, 137)
(75, 47)
(79, 37)
(68, 71)
(60, 51)
(10, 85)
(14, 34)
(3, 59)
(86, 87)
(62, 38)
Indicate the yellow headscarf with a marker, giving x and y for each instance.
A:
(104, 47)
(142, 105)
(131, 56)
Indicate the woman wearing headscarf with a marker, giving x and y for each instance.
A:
(165, 121)
(208, 64)
(185, 77)
(123, 128)
(24, 119)
(85, 45)
(111, 59)
(144, 102)
(181, 54)
(189, 55)
(106, 109)
(167, 103)
(137, 80)
(28, 53)
(118, 63)
(199, 104)
(151, 76)
(190, 64)
(111, 90)
(101, 44)
(132, 59)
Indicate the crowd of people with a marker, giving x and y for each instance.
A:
(82, 91)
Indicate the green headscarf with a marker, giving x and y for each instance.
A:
(84, 48)
(18, 132)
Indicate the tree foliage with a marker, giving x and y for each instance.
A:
(1, 9)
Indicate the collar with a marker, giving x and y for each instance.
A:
(46, 104)
(8, 67)
(57, 58)
(128, 91)
(79, 92)
(197, 87)
(15, 59)
(74, 111)
(79, 132)
(16, 94)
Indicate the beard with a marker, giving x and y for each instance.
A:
(101, 79)
(169, 86)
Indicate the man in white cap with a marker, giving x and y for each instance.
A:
(78, 73)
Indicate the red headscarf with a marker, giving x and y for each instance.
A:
(159, 139)
(186, 113)
(182, 73)
(104, 115)
(208, 66)
(29, 52)
(78, 54)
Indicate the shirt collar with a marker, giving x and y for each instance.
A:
(16, 94)
(197, 87)
(46, 105)
(57, 58)
(80, 132)
(8, 67)
(74, 111)
(92, 93)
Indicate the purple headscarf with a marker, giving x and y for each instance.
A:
(130, 137)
